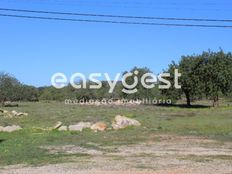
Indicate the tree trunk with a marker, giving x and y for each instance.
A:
(216, 101)
(188, 98)
(3, 102)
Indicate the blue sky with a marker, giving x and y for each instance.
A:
(32, 50)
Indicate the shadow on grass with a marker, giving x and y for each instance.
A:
(2, 140)
(185, 106)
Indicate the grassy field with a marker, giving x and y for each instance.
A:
(24, 146)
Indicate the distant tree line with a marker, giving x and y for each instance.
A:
(204, 76)
(12, 90)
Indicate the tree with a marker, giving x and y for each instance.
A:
(29, 93)
(216, 74)
(51, 93)
(142, 92)
(191, 84)
(9, 88)
(172, 93)
(206, 75)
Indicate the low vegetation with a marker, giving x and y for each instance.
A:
(24, 146)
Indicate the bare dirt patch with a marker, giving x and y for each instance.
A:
(169, 155)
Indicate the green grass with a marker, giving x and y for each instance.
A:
(24, 147)
(206, 158)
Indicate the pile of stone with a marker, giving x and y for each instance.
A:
(119, 122)
(13, 113)
(10, 128)
(99, 126)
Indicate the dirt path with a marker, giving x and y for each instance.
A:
(62, 169)
(168, 155)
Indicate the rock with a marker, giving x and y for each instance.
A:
(63, 128)
(58, 125)
(80, 126)
(121, 122)
(11, 128)
(10, 104)
(22, 114)
(15, 113)
(1, 129)
(5, 112)
(99, 126)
